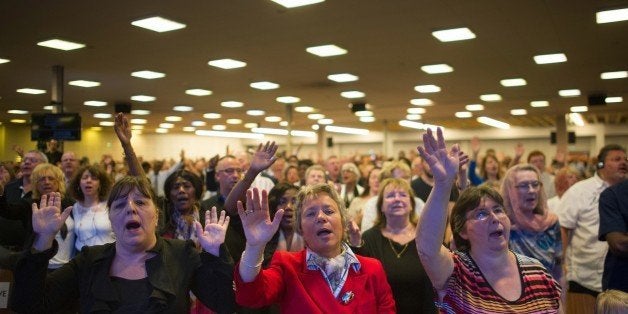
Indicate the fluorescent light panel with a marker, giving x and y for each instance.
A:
(230, 134)
(367, 119)
(550, 58)
(255, 112)
(494, 123)
(198, 123)
(173, 118)
(325, 121)
(158, 24)
(140, 112)
(578, 108)
(288, 99)
(138, 121)
(166, 125)
(188, 129)
(219, 127)
(84, 83)
(614, 75)
(231, 104)
(421, 102)
(611, 100)
(454, 34)
(161, 130)
(491, 97)
(16, 111)
(304, 109)
(183, 108)
(342, 77)
(272, 119)
(414, 116)
(149, 75)
(265, 85)
(32, 91)
(539, 103)
(352, 94)
(437, 68)
(234, 121)
(106, 123)
(364, 113)
(4, 60)
(346, 130)
(227, 63)
(102, 115)
(611, 16)
(416, 110)
(212, 115)
(463, 114)
(474, 107)
(198, 92)
(513, 82)
(315, 116)
(95, 103)
(430, 88)
(418, 125)
(143, 98)
(569, 92)
(296, 3)
(250, 125)
(326, 50)
(518, 112)
(60, 44)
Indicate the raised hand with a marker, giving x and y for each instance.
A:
(263, 157)
(123, 129)
(258, 228)
(214, 233)
(475, 146)
(519, 150)
(444, 164)
(355, 236)
(48, 218)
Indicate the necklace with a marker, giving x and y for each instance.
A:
(403, 250)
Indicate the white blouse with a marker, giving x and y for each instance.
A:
(92, 225)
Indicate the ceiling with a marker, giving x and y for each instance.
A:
(387, 43)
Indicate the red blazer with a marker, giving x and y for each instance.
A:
(288, 282)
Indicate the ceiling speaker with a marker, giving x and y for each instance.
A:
(597, 99)
(355, 107)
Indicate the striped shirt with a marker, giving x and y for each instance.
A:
(468, 291)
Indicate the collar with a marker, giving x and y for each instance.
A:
(350, 259)
(600, 184)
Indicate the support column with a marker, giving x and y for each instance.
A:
(57, 89)
(385, 139)
(289, 137)
(322, 144)
(561, 134)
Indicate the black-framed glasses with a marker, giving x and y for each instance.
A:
(524, 186)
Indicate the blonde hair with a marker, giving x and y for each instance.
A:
(45, 169)
(310, 192)
(612, 302)
(394, 183)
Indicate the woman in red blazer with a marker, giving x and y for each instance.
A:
(326, 277)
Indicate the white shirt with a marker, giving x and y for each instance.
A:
(262, 183)
(369, 213)
(92, 225)
(548, 184)
(578, 210)
(65, 251)
(553, 203)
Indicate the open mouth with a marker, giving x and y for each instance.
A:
(132, 225)
(323, 232)
(496, 234)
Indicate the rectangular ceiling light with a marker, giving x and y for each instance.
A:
(288, 99)
(494, 123)
(149, 75)
(232, 104)
(227, 64)
(518, 112)
(345, 130)
(95, 103)
(614, 75)
(83, 83)
(32, 91)
(610, 100)
(611, 16)
(296, 3)
(17, 111)
(421, 102)
(454, 34)
(539, 103)
(352, 94)
(550, 58)
(4, 60)
(578, 108)
(198, 92)
(158, 24)
(491, 97)
(419, 125)
(326, 50)
(463, 114)
(474, 107)
(427, 89)
(513, 82)
(143, 98)
(140, 112)
(255, 136)
(342, 77)
(264, 85)
(569, 92)
(60, 44)
(437, 68)
(270, 131)
(302, 133)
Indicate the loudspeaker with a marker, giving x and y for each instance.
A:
(597, 99)
(330, 142)
(571, 138)
(355, 107)
(122, 107)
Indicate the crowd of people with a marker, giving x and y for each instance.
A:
(441, 230)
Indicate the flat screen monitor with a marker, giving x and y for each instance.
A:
(58, 126)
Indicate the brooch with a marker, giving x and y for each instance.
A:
(347, 297)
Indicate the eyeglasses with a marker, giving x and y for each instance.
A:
(231, 171)
(524, 186)
(483, 213)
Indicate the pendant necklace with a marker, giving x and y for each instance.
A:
(403, 250)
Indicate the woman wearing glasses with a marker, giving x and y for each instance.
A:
(535, 231)
(482, 275)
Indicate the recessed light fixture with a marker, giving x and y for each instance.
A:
(288, 99)
(418, 125)
(189, 129)
(32, 91)
(491, 97)
(198, 92)
(140, 112)
(611, 100)
(84, 83)
(614, 75)
(4, 60)
(304, 109)
(183, 108)
(198, 123)
(296, 3)
(158, 24)
(264, 85)
(283, 123)
(539, 103)
(16, 111)
(437, 68)
(326, 50)
(430, 88)
(513, 82)
(137, 126)
(300, 133)
(342, 77)
(494, 123)
(272, 119)
(212, 115)
(578, 108)
(576, 119)
(255, 112)
(518, 112)
(463, 114)
(550, 58)
(413, 117)
(161, 130)
(102, 115)
(173, 118)
(421, 102)
(95, 103)
(416, 110)
(346, 130)
(234, 121)
(474, 107)
(325, 121)
(367, 119)
(143, 98)
(18, 120)
(610, 16)
(231, 104)
(364, 113)
(352, 94)
(60, 44)
(454, 34)
(315, 127)
(315, 116)
(569, 92)
(227, 64)
(219, 127)
(230, 134)
(166, 125)
(106, 123)
(149, 75)
(250, 125)
(48, 107)
(138, 121)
